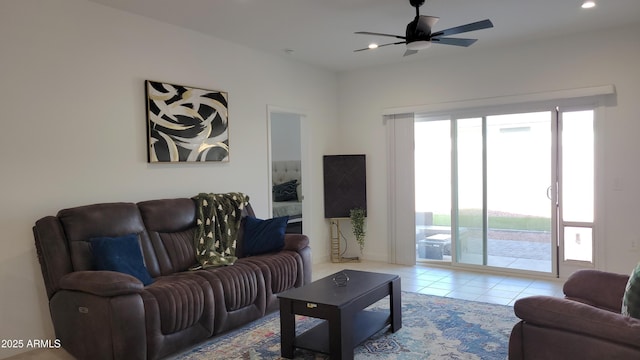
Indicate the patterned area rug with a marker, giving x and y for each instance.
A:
(433, 327)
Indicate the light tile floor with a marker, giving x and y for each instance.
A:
(459, 284)
(424, 279)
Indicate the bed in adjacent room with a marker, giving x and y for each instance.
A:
(287, 193)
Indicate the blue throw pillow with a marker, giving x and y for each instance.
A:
(121, 254)
(263, 236)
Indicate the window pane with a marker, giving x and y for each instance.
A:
(519, 166)
(578, 243)
(433, 189)
(470, 246)
(577, 166)
(518, 176)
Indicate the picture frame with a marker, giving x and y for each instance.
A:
(186, 124)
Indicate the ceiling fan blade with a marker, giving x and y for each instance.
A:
(379, 34)
(426, 23)
(453, 41)
(410, 52)
(395, 43)
(379, 46)
(478, 25)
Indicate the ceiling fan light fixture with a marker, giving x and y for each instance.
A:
(418, 34)
(418, 45)
(588, 4)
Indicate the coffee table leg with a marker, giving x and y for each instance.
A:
(287, 329)
(340, 336)
(396, 305)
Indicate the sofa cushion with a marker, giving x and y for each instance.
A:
(282, 271)
(121, 254)
(284, 267)
(286, 191)
(239, 293)
(263, 236)
(631, 298)
(182, 301)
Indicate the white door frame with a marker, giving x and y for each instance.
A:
(304, 155)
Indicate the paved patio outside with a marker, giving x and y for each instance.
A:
(523, 250)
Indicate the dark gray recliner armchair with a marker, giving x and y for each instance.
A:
(586, 324)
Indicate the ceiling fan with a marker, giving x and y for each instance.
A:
(419, 35)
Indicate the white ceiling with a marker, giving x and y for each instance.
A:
(321, 32)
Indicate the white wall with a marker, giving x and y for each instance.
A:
(74, 127)
(611, 57)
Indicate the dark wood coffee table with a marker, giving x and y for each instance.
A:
(347, 323)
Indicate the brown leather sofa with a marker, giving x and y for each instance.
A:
(585, 325)
(112, 315)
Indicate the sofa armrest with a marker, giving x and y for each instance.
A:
(300, 244)
(295, 242)
(579, 318)
(598, 288)
(101, 283)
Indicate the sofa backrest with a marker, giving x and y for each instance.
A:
(171, 225)
(165, 228)
(82, 223)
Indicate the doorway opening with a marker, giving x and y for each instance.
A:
(285, 170)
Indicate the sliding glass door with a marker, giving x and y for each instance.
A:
(512, 190)
(519, 186)
(503, 175)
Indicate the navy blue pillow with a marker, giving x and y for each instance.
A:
(121, 254)
(263, 236)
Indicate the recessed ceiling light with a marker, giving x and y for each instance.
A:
(588, 4)
(373, 46)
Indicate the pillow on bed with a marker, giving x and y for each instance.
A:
(285, 191)
(263, 236)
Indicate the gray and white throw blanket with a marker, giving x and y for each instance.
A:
(218, 219)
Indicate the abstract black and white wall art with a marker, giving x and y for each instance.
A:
(186, 124)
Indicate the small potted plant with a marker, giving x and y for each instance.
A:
(357, 216)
